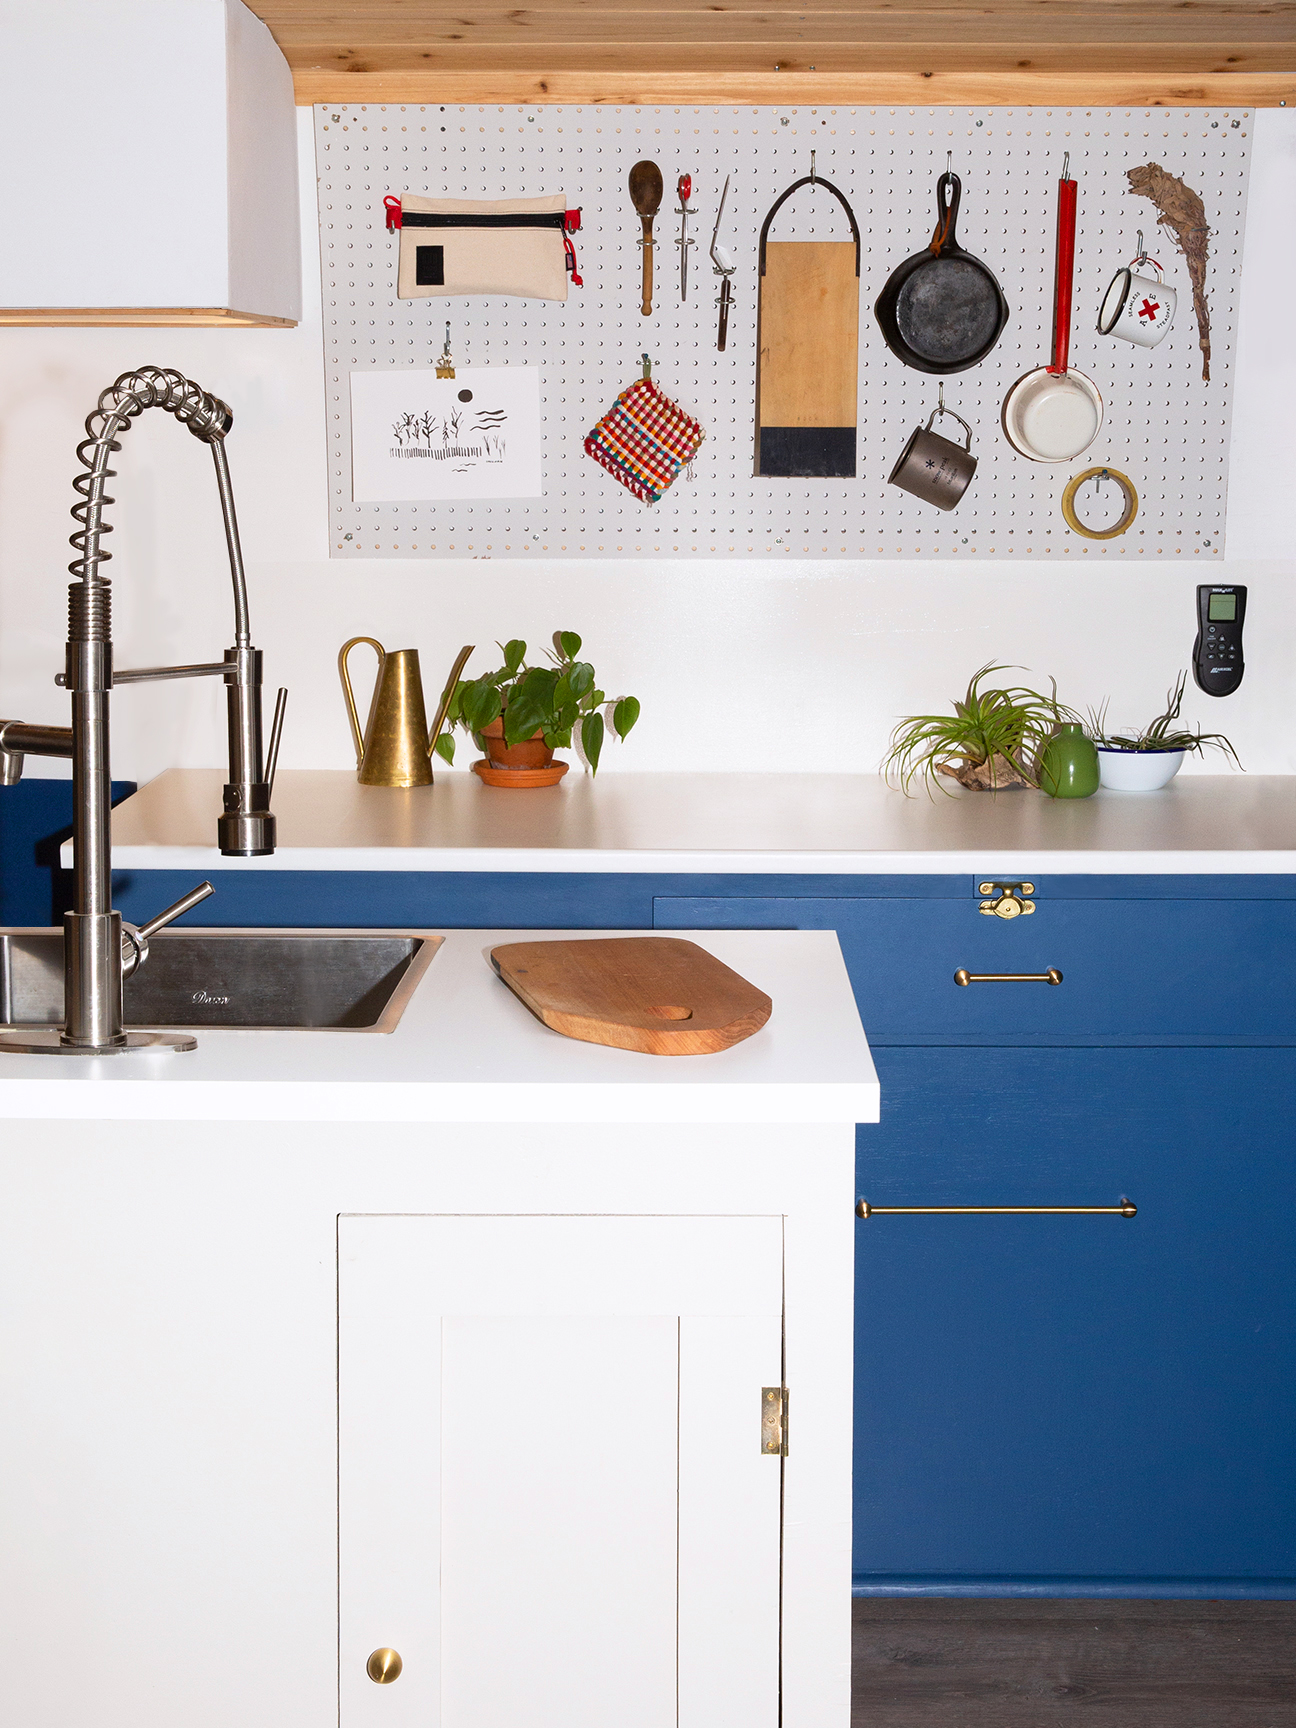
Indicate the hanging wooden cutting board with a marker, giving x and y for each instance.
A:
(658, 994)
(807, 366)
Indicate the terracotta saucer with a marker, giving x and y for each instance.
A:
(517, 778)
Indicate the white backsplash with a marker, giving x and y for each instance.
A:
(739, 665)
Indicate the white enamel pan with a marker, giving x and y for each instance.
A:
(1054, 413)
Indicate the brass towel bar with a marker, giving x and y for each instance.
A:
(1126, 1209)
(1052, 976)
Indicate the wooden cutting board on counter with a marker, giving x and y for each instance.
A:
(657, 994)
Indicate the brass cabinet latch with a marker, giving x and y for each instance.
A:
(1011, 900)
(774, 1403)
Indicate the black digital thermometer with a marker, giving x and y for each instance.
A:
(1217, 652)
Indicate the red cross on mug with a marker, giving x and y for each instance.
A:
(1149, 309)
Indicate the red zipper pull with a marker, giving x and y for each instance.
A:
(570, 250)
(393, 208)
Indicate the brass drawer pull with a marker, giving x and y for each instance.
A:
(1126, 1209)
(1052, 976)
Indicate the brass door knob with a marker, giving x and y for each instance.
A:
(384, 1666)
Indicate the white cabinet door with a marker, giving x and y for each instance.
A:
(553, 1500)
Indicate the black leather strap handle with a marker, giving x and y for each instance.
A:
(810, 180)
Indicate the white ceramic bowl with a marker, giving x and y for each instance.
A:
(1138, 770)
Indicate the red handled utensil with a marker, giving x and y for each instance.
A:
(684, 191)
(1054, 413)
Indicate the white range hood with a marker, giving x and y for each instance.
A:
(149, 165)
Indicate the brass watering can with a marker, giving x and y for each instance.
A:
(395, 748)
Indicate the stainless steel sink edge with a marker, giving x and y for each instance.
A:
(428, 944)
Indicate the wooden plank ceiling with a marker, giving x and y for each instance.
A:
(1123, 52)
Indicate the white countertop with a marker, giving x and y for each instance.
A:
(466, 1050)
(762, 824)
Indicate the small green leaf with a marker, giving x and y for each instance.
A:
(530, 704)
(568, 643)
(481, 704)
(514, 655)
(444, 746)
(563, 692)
(625, 714)
(592, 739)
(581, 675)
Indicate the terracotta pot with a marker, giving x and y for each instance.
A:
(532, 752)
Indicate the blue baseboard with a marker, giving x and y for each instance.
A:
(1128, 1589)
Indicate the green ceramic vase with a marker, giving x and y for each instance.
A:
(1069, 766)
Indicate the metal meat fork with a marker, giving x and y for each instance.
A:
(722, 261)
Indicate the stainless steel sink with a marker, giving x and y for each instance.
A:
(254, 980)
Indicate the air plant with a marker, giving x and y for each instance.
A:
(992, 739)
(1161, 733)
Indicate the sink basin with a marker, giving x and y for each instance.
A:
(254, 980)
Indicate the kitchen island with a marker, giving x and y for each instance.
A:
(453, 1341)
(1044, 1406)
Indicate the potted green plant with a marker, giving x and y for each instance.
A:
(520, 714)
(993, 739)
(1148, 760)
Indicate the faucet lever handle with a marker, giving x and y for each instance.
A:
(276, 732)
(135, 942)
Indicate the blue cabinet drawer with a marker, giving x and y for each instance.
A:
(1162, 969)
(1078, 1398)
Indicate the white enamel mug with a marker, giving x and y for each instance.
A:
(1137, 308)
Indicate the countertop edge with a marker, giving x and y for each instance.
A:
(557, 861)
(703, 1101)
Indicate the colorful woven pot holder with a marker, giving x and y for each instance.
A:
(644, 439)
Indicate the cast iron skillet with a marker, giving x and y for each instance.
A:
(942, 310)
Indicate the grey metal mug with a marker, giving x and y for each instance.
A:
(933, 468)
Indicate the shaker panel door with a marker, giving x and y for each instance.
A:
(553, 1501)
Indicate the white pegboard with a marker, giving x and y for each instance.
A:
(1164, 427)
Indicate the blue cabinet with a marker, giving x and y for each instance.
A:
(1072, 1404)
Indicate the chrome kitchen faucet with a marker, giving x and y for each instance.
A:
(99, 950)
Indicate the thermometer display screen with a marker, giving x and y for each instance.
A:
(1223, 608)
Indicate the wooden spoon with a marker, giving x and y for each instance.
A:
(646, 195)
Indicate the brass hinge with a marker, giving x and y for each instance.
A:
(1011, 899)
(774, 1415)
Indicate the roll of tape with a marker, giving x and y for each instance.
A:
(1069, 510)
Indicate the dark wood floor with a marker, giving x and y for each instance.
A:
(955, 1663)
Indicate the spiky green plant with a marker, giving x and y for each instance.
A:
(1161, 733)
(992, 739)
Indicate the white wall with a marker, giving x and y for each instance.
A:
(748, 665)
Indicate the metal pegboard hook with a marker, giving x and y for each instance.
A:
(812, 168)
(949, 168)
(940, 399)
(1066, 166)
(647, 367)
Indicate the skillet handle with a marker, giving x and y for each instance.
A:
(1064, 275)
(949, 190)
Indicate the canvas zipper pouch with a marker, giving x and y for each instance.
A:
(452, 246)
